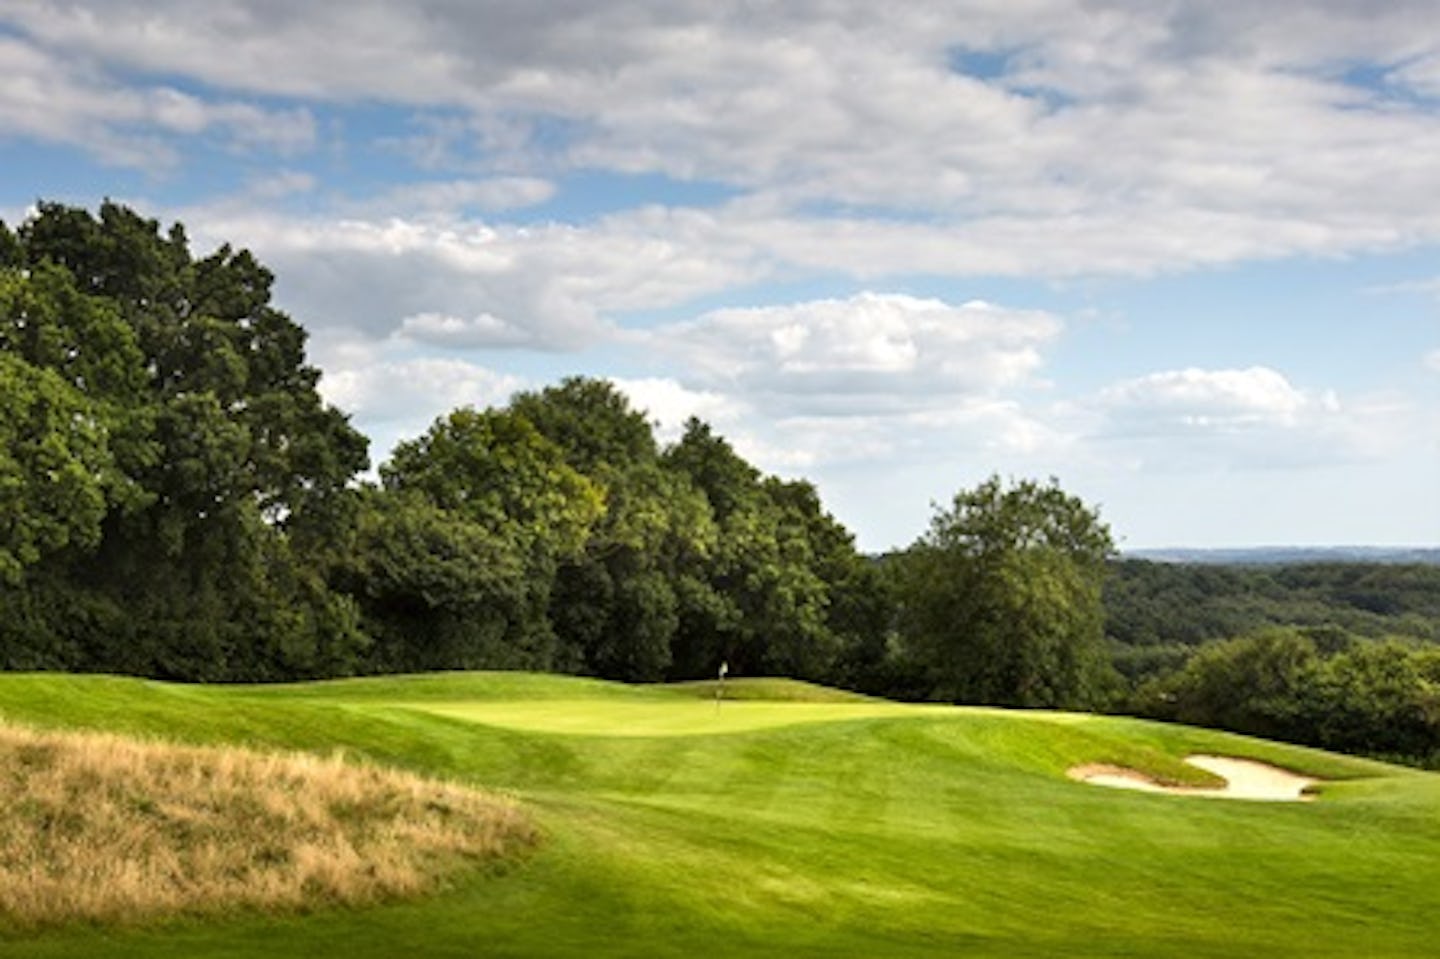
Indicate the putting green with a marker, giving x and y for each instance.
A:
(669, 717)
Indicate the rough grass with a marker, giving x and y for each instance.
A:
(105, 828)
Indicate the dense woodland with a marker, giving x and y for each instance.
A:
(177, 501)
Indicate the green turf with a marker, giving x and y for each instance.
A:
(798, 826)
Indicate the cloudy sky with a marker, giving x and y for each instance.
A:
(1183, 255)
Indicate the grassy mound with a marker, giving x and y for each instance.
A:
(770, 826)
(105, 828)
(773, 689)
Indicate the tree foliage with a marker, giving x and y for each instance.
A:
(56, 469)
(1362, 696)
(1001, 597)
(211, 466)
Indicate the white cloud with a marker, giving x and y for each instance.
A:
(483, 330)
(1209, 400)
(388, 391)
(855, 143)
(869, 344)
(284, 131)
(1430, 287)
(398, 399)
(668, 404)
(280, 184)
(1108, 135)
(1432, 361)
(876, 377)
(1238, 418)
(1422, 76)
(469, 282)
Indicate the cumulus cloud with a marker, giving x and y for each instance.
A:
(833, 141)
(1209, 400)
(469, 282)
(414, 390)
(865, 345)
(869, 378)
(483, 330)
(1107, 136)
(398, 399)
(1252, 417)
(668, 403)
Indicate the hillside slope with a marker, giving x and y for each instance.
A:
(675, 827)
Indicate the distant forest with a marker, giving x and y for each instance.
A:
(177, 501)
(1159, 611)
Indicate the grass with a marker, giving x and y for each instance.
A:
(842, 828)
(105, 828)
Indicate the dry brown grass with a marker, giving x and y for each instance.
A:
(103, 828)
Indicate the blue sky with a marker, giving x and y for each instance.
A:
(1184, 257)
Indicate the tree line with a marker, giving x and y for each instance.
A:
(1318, 687)
(178, 501)
(1345, 656)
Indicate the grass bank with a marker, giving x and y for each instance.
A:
(109, 829)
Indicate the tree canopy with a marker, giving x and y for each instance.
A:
(1001, 597)
(189, 461)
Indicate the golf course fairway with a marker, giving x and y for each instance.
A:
(793, 821)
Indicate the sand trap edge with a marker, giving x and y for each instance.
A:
(1245, 779)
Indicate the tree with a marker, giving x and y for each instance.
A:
(784, 592)
(1339, 692)
(458, 567)
(1255, 684)
(617, 604)
(55, 467)
(1001, 598)
(591, 422)
(1375, 698)
(614, 606)
(439, 590)
(11, 253)
(227, 478)
(203, 327)
(46, 321)
(495, 469)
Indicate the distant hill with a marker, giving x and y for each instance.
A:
(1273, 555)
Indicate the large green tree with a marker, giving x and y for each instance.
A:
(1001, 597)
(616, 604)
(206, 327)
(459, 551)
(232, 475)
(785, 591)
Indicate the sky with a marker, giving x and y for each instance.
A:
(1181, 255)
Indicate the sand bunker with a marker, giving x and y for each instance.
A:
(1244, 779)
